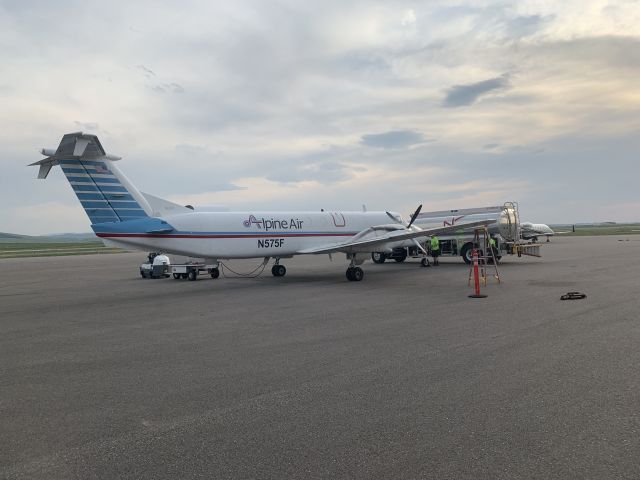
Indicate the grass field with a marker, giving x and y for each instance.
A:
(50, 249)
(594, 230)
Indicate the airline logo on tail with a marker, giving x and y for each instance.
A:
(454, 220)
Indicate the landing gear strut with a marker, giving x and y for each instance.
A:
(278, 270)
(354, 273)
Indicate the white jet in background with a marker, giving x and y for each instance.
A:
(531, 231)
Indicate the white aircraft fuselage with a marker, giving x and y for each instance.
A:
(251, 234)
(531, 231)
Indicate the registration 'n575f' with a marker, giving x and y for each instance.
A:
(271, 243)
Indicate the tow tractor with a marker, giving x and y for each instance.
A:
(159, 266)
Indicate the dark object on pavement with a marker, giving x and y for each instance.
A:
(573, 296)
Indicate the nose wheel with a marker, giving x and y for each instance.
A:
(355, 274)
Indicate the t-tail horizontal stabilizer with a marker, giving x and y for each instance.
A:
(78, 145)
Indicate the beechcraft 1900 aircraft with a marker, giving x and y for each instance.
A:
(123, 216)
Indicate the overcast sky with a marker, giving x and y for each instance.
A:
(306, 105)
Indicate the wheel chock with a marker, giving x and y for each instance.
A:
(573, 296)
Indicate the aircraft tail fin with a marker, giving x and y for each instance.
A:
(104, 192)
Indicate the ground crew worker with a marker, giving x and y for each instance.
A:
(493, 246)
(435, 249)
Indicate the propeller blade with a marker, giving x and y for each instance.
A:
(393, 217)
(414, 216)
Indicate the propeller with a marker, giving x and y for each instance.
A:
(393, 217)
(398, 219)
(414, 216)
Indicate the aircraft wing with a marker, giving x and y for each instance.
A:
(370, 244)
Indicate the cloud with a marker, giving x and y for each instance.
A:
(409, 18)
(463, 95)
(167, 88)
(146, 71)
(88, 126)
(159, 87)
(393, 139)
(524, 26)
(303, 105)
(175, 88)
(322, 172)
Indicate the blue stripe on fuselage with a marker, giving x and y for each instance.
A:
(145, 224)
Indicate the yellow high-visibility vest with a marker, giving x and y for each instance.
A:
(435, 243)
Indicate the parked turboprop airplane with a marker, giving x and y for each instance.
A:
(531, 231)
(121, 215)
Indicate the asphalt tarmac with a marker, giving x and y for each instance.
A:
(106, 375)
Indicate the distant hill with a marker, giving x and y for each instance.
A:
(11, 236)
(53, 238)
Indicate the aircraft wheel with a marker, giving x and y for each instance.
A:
(357, 274)
(215, 272)
(402, 257)
(350, 274)
(177, 276)
(467, 253)
(278, 271)
(378, 257)
(193, 275)
(425, 262)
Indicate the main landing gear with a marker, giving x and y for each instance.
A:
(354, 273)
(278, 270)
